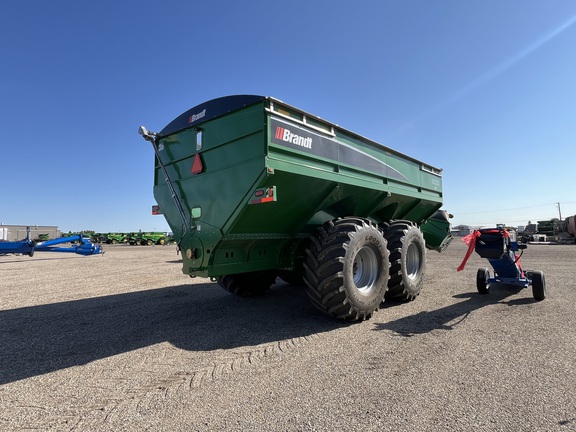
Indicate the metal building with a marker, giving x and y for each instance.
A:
(37, 232)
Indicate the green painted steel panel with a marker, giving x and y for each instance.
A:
(271, 174)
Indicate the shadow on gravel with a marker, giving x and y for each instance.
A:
(448, 317)
(35, 258)
(42, 339)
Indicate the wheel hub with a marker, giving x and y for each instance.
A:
(413, 261)
(366, 269)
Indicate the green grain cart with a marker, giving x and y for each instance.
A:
(254, 189)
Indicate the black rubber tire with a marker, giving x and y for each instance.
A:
(538, 285)
(149, 242)
(347, 269)
(247, 284)
(407, 260)
(482, 275)
(31, 253)
(161, 241)
(292, 277)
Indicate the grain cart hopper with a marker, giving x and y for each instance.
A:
(253, 189)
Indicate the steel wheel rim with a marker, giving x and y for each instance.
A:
(366, 270)
(413, 261)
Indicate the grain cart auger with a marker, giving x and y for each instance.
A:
(499, 247)
(28, 246)
(254, 189)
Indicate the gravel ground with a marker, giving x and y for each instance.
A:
(126, 342)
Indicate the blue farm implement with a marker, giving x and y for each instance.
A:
(499, 247)
(28, 247)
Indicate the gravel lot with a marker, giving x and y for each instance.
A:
(125, 341)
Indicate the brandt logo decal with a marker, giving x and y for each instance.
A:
(198, 116)
(284, 134)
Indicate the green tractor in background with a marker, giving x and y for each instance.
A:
(116, 238)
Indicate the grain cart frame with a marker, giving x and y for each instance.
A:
(254, 188)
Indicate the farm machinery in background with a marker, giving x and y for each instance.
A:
(136, 238)
(147, 238)
(80, 245)
(132, 238)
(551, 231)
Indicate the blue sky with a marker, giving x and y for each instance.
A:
(485, 90)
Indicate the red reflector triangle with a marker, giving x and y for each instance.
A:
(197, 166)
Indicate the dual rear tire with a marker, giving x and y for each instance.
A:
(347, 269)
(351, 266)
(407, 260)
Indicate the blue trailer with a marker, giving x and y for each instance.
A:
(24, 247)
(499, 246)
(28, 246)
